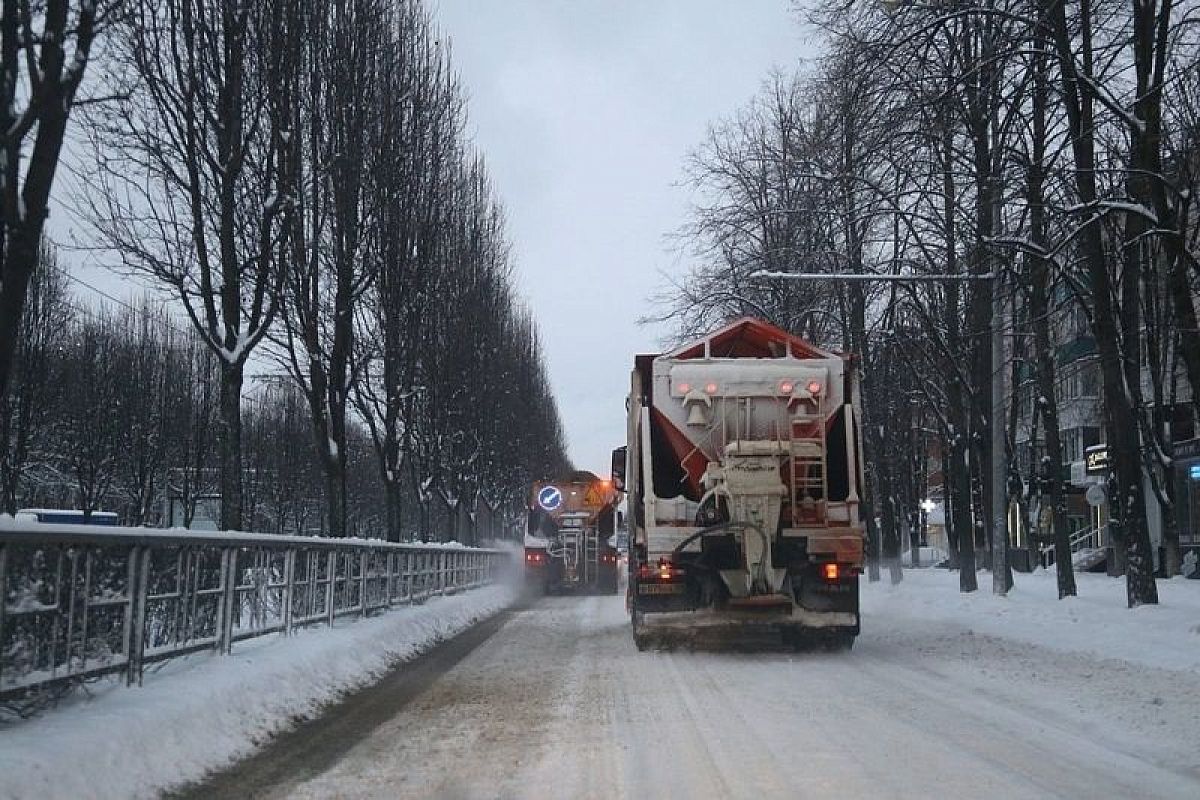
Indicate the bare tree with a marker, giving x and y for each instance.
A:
(340, 50)
(28, 411)
(189, 187)
(193, 388)
(93, 430)
(44, 53)
(143, 408)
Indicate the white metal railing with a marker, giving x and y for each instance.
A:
(1087, 538)
(79, 601)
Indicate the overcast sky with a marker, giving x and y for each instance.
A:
(585, 111)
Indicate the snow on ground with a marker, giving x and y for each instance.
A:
(201, 713)
(560, 704)
(1096, 622)
(944, 695)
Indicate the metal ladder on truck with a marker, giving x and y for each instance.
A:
(581, 549)
(591, 551)
(808, 485)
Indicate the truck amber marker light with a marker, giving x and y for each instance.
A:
(831, 572)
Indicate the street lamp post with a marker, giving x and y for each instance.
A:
(999, 506)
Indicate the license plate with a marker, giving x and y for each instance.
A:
(660, 588)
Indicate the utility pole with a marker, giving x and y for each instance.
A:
(999, 465)
(996, 412)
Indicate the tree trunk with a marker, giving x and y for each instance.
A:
(393, 509)
(19, 260)
(947, 508)
(1046, 404)
(230, 446)
(1128, 500)
(914, 537)
(891, 539)
(335, 496)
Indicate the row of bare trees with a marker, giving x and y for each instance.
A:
(113, 408)
(295, 177)
(1051, 141)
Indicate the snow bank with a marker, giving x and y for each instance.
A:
(198, 714)
(27, 523)
(1097, 622)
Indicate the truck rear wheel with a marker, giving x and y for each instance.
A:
(809, 640)
(640, 637)
(838, 642)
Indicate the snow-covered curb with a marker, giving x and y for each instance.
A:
(1096, 622)
(201, 713)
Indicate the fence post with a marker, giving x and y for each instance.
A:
(228, 599)
(137, 648)
(130, 602)
(362, 577)
(289, 589)
(330, 593)
(390, 579)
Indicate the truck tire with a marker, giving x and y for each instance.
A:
(839, 642)
(640, 638)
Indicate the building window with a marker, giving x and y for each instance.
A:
(1080, 380)
(1089, 379)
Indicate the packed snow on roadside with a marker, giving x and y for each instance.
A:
(198, 714)
(1096, 622)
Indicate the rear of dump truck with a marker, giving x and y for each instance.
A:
(570, 543)
(743, 474)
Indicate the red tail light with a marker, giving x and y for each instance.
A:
(831, 571)
(662, 571)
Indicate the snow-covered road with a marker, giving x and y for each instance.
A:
(559, 704)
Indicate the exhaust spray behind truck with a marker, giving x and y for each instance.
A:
(743, 473)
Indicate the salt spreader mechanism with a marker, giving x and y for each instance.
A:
(743, 473)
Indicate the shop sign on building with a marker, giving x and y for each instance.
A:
(1095, 459)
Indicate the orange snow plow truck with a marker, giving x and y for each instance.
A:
(743, 475)
(569, 533)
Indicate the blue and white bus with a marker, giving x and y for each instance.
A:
(71, 516)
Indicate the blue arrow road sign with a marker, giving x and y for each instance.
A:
(550, 498)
